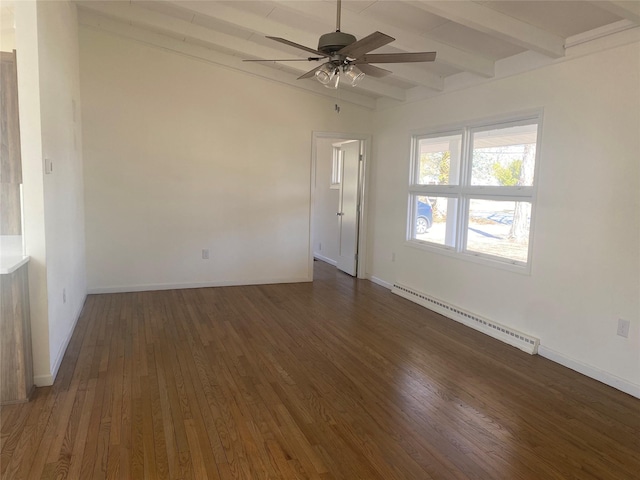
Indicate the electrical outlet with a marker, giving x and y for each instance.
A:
(320, 246)
(64, 295)
(623, 327)
(205, 254)
(393, 256)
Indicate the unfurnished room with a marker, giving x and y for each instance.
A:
(320, 239)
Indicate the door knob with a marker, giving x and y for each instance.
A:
(340, 214)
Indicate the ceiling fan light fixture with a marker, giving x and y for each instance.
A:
(335, 80)
(353, 75)
(342, 51)
(325, 74)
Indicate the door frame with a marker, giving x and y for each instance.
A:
(365, 149)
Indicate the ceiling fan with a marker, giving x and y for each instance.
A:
(348, 56)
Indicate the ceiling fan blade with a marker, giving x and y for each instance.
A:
(366, 44)
(396, 57)
(373, 71)
(310, 73)
(310, 59)
(297, 45)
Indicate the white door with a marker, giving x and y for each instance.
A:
(348, 208)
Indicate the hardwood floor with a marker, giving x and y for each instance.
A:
(338, 379)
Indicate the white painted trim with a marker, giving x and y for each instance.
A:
(600, 32)
(325, 259)
(464, 192)
(497, 24)
(527, 61)
(181, 286)
(365, 142)
(590, 371)
(382, 283)
(43, 380)
(63, 348)
(47, 380)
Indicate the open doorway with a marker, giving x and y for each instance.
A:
(338, 201)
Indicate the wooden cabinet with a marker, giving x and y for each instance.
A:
(10, 161)
(16, 361)
(10, 156)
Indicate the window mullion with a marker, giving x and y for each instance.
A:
(476, 184)
(465, 176)
(436, 190)
(499, 192)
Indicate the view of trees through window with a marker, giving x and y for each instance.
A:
(494, 184)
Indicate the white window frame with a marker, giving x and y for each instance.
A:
(464, 192)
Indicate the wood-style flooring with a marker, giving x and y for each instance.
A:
(339, 379)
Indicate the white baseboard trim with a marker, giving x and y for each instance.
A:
(43, 380)
(382, 283)
(325, 259)
(181, 286)
(47, 380)
(590, 371)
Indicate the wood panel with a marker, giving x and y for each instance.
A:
(16, 361)
(10, 209)
(338, 379)
(10, 159)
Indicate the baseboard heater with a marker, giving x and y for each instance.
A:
(508, 335)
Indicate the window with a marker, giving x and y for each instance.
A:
(336, 167)
(471, 191)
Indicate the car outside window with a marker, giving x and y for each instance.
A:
(471, 191)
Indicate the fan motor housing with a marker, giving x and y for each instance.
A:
(334, 41)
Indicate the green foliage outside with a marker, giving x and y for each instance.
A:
(508, 176)
(434, 167)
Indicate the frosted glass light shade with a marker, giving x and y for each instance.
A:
(335, 80)
(353, 75)
(325, 73)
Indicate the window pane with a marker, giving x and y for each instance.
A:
(499, 228)
(504, 156)
(434, 219)
(336, 167)
(438, 160)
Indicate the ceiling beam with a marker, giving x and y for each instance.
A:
(264, 27)
(93, 20)
(629, 10)
(177, 27)
(497, 24)
(409, 42)
(416, 74)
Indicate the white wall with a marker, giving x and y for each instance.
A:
(48, 85)
(7, 38)
(32, 185)
(63, 189)
(182, 155)
(326, 202)
(586, 261)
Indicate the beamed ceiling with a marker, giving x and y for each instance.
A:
(474, 40)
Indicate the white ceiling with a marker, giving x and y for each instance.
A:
(470, 37)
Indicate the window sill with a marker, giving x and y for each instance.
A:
(471, 257)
